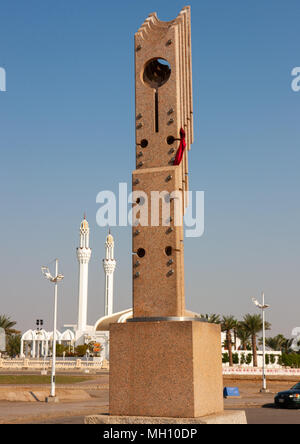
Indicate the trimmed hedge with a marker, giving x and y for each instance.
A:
(291, 360)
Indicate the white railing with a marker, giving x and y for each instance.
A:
(41, 364)
(282, 371)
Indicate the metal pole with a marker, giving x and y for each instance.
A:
(264, 344)
(54, 334)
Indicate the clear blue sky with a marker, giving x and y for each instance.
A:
(67, 132)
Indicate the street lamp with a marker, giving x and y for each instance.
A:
(58, 277)
(263, 307)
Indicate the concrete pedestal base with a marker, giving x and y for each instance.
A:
(52, 399)
(227, 417)
(264, 391)
(165, 369)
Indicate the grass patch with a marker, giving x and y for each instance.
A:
(41, 379)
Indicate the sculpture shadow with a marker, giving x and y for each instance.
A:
(35, 397)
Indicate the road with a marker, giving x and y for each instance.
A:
(272, 416)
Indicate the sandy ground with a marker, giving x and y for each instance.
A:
(259, 407)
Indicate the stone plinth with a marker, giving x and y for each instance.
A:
(236, 417)
(165, 369)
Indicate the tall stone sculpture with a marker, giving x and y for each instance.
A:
(163, 363)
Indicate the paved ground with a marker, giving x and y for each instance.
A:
(67, 420)
(254, 416)
(259, 408)
(41, 412)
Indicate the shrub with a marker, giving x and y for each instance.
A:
(81, 350)
(291, 360)
(249, 359)
(235, 358)
(225, 358)
(243, 359)
(13, 345)
(60, 349)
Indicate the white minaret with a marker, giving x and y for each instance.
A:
(109, 265)
(83, 255)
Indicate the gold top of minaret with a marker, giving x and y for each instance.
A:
(84, 226)
(110, 238)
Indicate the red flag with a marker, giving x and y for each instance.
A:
(182, 147)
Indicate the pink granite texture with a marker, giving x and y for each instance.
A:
(168, 369)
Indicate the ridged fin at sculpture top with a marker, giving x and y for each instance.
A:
(156, 30)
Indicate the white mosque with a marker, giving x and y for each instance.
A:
(38, 343)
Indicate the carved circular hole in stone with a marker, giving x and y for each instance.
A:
(141, 252)
(169, 251)
(144, 143)
(170, 140)
(157, 72)
(140, 200)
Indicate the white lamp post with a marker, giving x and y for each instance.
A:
(58, 277)
(263, 307)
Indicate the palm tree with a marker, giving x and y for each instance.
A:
(13, 345)
(228, 324)
(212, 318)
(253, 324)
(6, 323)
(243, 336)
(277, 343)
(286, 346)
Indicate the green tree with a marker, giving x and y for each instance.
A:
(80, 350)
(13, 345)
(212, 318)
(7, 324)
(243, 335)
(253, 324)
(227, 325)
(275, 343)
(291, 360)
(61, 349)
(286, 346)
